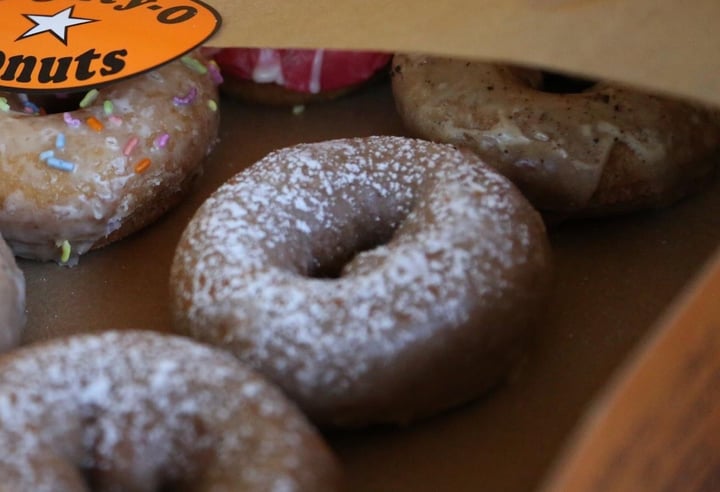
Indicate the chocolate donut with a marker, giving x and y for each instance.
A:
(102, 165)
(12, 299)
(375, 280)
(584, 150)
(140, 411)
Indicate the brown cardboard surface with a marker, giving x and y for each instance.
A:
(658, 44)
(614, 278)
(662, 413)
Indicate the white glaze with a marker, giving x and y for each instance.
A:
(314, 85)
(268, 69)
(40, 207)
(609, 147)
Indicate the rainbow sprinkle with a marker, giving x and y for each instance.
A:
(95, 124)
(4, 106)
(60, 164)
(162, 140)
(89, 98)
(187, 99)
(108, 107)
(215, 73)
(48, 157)
(70, 121)
(194, 65)
(30, 107)
(130, 146)
(142, 165)
(65, 250)
(212, 105)
(60, 141)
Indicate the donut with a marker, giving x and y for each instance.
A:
(583, 149)
(79, 171)
(295, 76)
(12, 299)
(140, 411)
(377, 280)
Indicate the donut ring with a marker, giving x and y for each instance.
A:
(275, 267)
(604, 150)
(12, 299)
(131, 411)
(81, 178)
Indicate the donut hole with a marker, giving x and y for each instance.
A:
(332, 266)
(170, 478)
(43, 104)
(557, 83)
(174, 459)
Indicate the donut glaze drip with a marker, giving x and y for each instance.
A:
(12, 299)
(77, 176)
(465, 251)
(137, 411)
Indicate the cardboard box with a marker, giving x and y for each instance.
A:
(614, 278)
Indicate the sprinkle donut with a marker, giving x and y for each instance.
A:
(96, 169)
(131, 411)
(376, 280)
(12, 299)
(585, 150)
(295, 77)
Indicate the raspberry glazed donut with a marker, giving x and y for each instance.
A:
(131, 411)
(376, 280)
(587, 149)
(294, 77)
(12, 299)
(103, 164)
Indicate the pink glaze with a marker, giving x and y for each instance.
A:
(309, 71)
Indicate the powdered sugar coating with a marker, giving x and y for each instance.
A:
(12, 299)
(138, 411)
(465, 250)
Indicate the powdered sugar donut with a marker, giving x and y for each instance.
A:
(588, 150)
(81, 177)
(375, 280)
(131, 411)
(295, 76)
(12, 299)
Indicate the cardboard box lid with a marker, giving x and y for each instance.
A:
(661, 45)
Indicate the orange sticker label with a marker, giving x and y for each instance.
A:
(64, 45)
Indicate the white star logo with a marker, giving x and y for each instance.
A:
(56, 24)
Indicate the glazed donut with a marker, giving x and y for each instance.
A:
(599, 149)
(376, 280)
(131, 411)
(295, 77)
(12, 299)
(95, 170)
